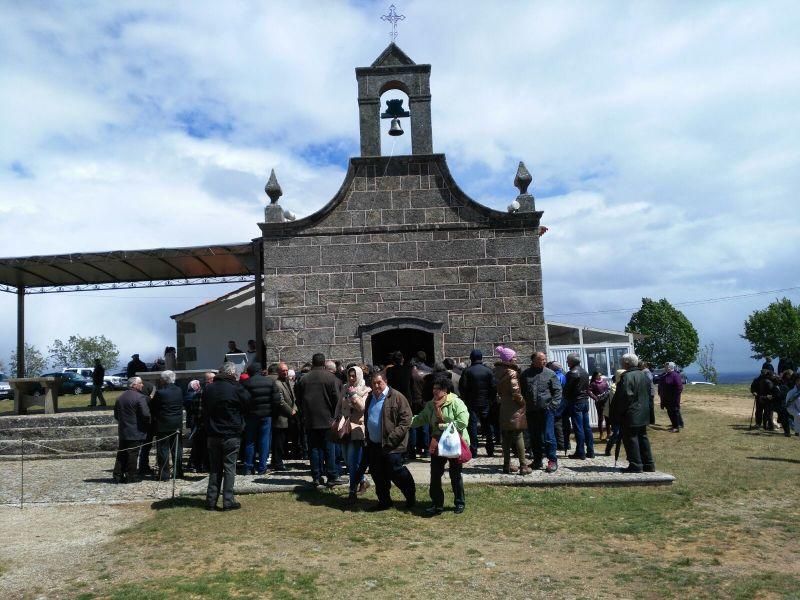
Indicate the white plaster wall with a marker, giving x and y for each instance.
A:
(229, 319)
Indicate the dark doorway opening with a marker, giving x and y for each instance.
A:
(408, 341)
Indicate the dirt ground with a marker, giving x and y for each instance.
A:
(46, 544)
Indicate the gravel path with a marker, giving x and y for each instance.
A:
(88, 481)
(83, 481)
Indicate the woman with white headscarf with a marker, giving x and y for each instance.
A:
(351, 407)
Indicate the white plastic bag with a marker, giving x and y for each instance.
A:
(450, 443)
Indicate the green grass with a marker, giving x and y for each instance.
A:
(68, 401)
(726, 529)
(278, 584)
(736, 390)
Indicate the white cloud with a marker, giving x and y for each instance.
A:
(662, 139)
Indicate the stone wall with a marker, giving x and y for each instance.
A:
(400, 240)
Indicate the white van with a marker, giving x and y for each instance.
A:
(5, 387)
(110, 382)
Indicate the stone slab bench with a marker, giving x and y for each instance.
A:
(35, 391)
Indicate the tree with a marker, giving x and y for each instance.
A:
(775, 331)
(706, 361)
(666, 334)
(35, 363)
(81, 351)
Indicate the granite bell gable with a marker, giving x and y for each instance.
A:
(401, 257)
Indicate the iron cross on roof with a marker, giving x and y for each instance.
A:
(393, 18)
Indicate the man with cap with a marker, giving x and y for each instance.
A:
(478, 389)
(576, 392)
(135, 366)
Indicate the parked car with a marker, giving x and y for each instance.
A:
(5, 388)
(70, 383)
(110, 382)
(115, 382)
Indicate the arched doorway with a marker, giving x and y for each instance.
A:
(408, 341)
(407, 334)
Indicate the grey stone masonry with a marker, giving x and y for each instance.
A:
(400, 244)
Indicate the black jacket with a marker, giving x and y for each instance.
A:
(98, 373)
(136, 366)
(167, 408)
(224, 404)
(317, 393)
(630, 406)
(398, 377)
(477, 387)
(133, 414)
(264, 395)
(576, 389)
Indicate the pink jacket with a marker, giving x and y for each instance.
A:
(352, 405)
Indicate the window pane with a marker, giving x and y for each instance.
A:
(562, 336)
(596, 360)
(617, 357)
(590, 336)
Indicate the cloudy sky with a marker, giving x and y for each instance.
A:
(662, 137)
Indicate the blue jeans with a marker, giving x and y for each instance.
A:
(323, 454)
(258, 433)
(583, 430)
(353, 453)
(542, 432)
(483, 417)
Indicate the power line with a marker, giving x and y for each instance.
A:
(685, 303)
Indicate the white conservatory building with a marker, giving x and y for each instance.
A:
(599, 349)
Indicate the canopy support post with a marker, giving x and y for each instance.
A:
(259, 308)
(21, 331)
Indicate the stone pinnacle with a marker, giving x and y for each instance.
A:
(273, 188)
(523, 178)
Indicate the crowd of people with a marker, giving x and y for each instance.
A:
(776, 394)
(376, 419)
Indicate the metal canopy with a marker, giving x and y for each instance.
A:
(129, 269)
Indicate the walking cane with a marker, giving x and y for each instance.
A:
(752, 414)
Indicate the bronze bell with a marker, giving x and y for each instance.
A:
(395, 128)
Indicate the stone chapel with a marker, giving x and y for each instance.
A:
(400, 258)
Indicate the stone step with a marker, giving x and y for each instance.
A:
(16, 457)
(63, 432)
(65, 419)
(55, 447)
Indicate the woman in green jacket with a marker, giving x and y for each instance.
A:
(445, 408)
